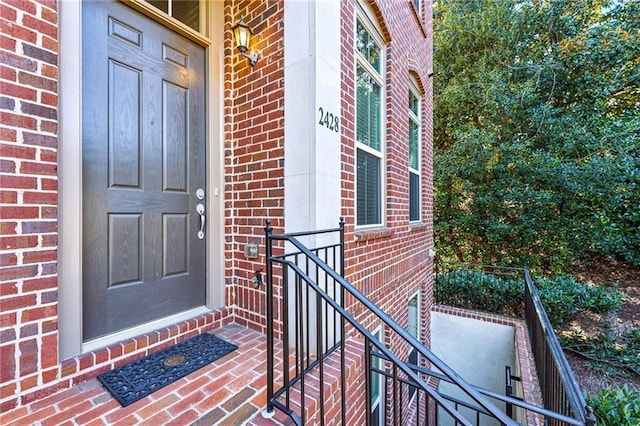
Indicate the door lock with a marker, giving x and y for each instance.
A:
(200, 194)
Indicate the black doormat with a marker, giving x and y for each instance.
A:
(144, 376)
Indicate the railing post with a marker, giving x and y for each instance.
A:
(343, 378)
(268, 229)
(368, 379)
(341, 225)
(508, 390)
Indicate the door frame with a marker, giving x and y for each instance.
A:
(70, 173)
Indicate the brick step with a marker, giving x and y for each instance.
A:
(331, 385)
(230, 391)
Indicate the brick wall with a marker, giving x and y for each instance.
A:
(388, 264)
(28, 226)
(28, 213)
(254, 152)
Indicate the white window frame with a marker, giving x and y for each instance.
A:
(367, 19)
(417, 119)
(417, 4)
(412, 350)
(377, 333)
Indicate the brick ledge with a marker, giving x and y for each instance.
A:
(373, 234)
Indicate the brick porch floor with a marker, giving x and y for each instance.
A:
(229, 391)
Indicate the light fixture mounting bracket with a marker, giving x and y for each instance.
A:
(253, 58)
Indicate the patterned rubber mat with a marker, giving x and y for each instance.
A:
(144, 376)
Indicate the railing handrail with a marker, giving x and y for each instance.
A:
(491, 394)
(581, 411)
(400, 331)
(576, 400)
(417, 380)
(481, 265)
(511, 400)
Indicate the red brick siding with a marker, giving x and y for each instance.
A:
(253, 169)
(254, 151)
(391, 263)
(388, 266)
(28, 182)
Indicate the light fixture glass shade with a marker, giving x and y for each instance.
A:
(242, 34)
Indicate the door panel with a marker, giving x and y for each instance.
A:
(124, 125)
(124, 249)
(143, 151)
(174, 137)
(176, 237)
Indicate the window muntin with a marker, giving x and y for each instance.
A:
(369, 125)
(414, 153)
(367, 46)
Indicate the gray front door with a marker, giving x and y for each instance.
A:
(143, 161)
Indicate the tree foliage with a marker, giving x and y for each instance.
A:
(537, 130)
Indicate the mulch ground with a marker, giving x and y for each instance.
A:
(627, 280)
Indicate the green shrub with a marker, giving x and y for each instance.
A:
(480, 291)
(563, 297)
(616, 407)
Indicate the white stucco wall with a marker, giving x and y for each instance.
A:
(477, 350)
(312, 190)
(311, 81)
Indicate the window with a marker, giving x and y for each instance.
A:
(369, 124)
(185, 11)
(413, 327)
(415, 130)
(376, 384)
(416, 4)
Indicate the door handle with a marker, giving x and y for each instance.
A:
(203, 219)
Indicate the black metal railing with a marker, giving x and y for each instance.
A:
(563, 402)
(558, 385)
(315, 374)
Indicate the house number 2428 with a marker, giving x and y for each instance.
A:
(329, 120)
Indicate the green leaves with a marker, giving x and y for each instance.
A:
(480, 291)
(563, 297)
(616, 407)
(617, 354)
(537, 131)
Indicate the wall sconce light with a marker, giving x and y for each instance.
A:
(242, 33)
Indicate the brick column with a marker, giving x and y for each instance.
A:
(29, 194)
